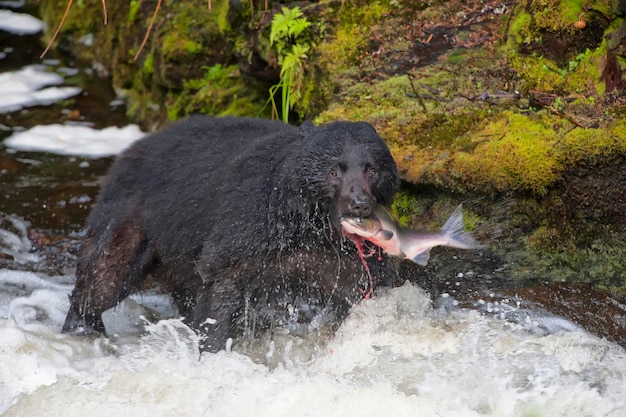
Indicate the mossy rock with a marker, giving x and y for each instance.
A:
(184, 42)
(559, 29)
(443, 132)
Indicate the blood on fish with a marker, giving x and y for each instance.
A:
(358, 242)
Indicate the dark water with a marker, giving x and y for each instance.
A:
(53, 193)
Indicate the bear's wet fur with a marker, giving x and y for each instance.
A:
(230, 212)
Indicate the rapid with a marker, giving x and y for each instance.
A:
(398, 352)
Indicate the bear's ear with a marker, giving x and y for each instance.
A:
(307, 127)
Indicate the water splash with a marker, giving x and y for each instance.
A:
(394, 352)
(14, 242)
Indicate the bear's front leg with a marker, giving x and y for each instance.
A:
(216, 307)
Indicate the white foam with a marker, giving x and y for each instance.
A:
(75, 140)
(29, 78)
(23, 88)
(394, 354)
(44, 301)
(14, 242)
(19, 23)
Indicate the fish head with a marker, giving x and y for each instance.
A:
(365, 227)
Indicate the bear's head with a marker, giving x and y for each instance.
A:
(345, 169)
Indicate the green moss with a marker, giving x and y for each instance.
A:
(556, 15)
(148, 64)
(544, 239)
(472, 220)
(379, 103)
(519, 31)
(560, 15)
(188, 67)
(534, 73)
(175, 44)
(223, 23)
(515, 154)
(404, 208)
(581, 75)
(552, 54)
(80, 20)
(189, 33)
(346, 46)
(603, 263)
(338, 54)
(222, 91)
(593, 145)
(133, 10)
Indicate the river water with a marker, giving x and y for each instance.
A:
(401, 352)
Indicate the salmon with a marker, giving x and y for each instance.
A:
(382, 230)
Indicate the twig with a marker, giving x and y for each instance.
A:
(573, 120)
(429, 89)
(145, 39)
(499, 94)
(104, 9)
(67, 10)
(417, 96)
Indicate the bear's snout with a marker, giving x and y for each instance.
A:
(355, 199)
(360, 205)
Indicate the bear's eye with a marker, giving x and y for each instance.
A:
(337, 171)
(373, 173)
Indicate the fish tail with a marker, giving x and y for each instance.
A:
(422, 258)
(454, 230)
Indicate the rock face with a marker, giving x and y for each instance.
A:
(614, 72)
(595, 310)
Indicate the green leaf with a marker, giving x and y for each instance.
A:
(290, 22)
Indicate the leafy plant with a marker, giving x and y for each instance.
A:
(215, 75)
(287, 37)
(287, 26)
(291, 80)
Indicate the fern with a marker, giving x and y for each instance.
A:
(291, 48)
(288, 23)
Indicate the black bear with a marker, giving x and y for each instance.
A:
(230, 212)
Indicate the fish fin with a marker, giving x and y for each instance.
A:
(455, 221)
(454, 230)
(422, 258)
